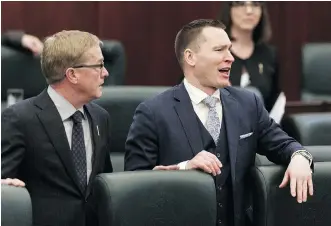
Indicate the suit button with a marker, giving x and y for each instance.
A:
(218, 155)
(219, 188)
(220, 205)
(219, 222)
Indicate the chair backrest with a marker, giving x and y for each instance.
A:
(121, 103)
(20, 70)
(274, 206)
(148, 198)
(115, 61)
(16, 208)
(316, 81)
(309, 128)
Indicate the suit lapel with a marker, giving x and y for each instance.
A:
(95, 135)
(188, 118)
(53, 125)
(230, 114)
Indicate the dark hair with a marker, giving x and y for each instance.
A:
(190, 33)
(262, 32)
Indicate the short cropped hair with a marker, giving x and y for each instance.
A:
(63, 50)
(190, 34)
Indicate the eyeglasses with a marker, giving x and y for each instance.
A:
(245, 3)
(90, 66)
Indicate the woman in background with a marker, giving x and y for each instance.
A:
(248, 26)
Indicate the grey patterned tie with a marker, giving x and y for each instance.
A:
(213, 121)
(78, 148)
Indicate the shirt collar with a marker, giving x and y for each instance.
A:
(65, 108)
(197, 95)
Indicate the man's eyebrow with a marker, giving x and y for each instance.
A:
(223, 46)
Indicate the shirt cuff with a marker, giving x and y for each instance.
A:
(182, 165)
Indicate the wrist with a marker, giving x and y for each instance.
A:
(303, 154)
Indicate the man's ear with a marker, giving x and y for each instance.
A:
(72, 76)
(190, 57)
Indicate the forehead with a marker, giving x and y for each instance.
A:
(214, 36)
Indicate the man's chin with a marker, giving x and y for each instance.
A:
(224, 84)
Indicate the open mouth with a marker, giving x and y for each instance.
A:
(225, 71)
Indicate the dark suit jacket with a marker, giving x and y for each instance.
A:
(264, 77)
(165, 131)
(35, 149)
(12, 39)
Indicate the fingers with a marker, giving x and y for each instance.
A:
(304, 190)
(207, 162)
(212, 164)
(299, 190)
(310, 186)
(170, 167)
(14, 182)
(36, 47)
(285, 180)
(293, 184)
(217, 161)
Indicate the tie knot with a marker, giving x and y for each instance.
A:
(77, 117)
(210, 101)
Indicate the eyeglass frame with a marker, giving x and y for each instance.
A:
(101, 65)
(245, 4)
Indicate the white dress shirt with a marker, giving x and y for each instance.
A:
(197, 96)
(66, 110)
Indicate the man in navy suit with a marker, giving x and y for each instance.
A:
(205, 124)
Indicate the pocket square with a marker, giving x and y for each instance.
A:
(245, 135)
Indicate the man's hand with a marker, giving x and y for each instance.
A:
(15, 182)
(300, 176)
(205, 161)
(32, 43)
(170, 167)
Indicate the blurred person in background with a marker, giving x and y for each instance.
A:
(19, 39)
(248, 26)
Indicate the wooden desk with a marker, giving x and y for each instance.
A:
(293, 107)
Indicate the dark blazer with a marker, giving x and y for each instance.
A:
(12, 39)
(35, 149)
(262, 67)
(165, 131)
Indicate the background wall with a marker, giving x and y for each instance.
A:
(148, 29)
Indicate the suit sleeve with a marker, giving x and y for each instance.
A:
(108, 165)
(275, 88)
(12, 38)
(141, 148)
(273, 142)
(12, 143)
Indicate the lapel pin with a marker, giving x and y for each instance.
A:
(98, 130)
(261, 68)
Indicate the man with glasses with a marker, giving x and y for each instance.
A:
(55, 144)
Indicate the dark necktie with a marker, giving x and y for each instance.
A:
(78, 148)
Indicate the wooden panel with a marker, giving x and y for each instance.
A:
(148, 29)
(45, 18)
